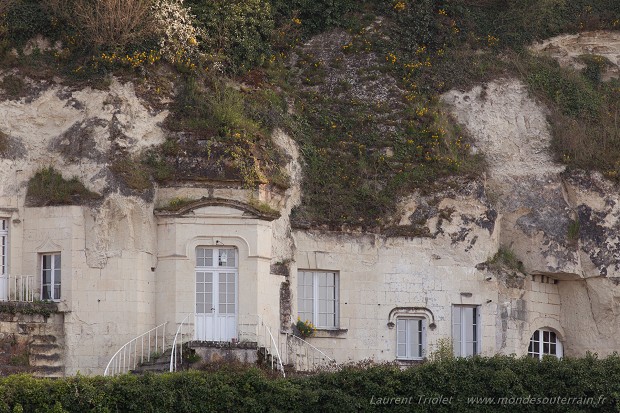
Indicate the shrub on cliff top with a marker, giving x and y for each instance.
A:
(48, 187)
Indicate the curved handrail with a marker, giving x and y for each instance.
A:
(116, 368)
(271, 345)
(277, 351)
(173, 353)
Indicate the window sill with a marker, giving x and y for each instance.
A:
(409, 362)
(330, 333)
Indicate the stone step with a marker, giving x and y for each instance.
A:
(46, 360)
(44, 338)
(45, 349)
(49, 371)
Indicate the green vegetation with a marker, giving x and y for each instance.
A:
(506, 259)
(47, 187)
(20, 360)
(263, 207)
(573, 231)
(365, 111)
(349, 390)
(44, 308)
(306, 328)
(177, 203)
(132, 172)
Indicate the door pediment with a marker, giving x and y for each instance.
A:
(219, 207)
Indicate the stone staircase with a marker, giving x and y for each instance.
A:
(46, 355)
(159, 364)
(214, 353)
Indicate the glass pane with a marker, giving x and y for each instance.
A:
(57, 261)
(200, 287)
(413, 337)
(46, 292)
(545, 336)
(545, 348)
(552, 337)
(231, 259)
(47, 276)
(200, 277)
(469, 323)
(222, 309)
(470, 349)
(537, 335)
(208, 287)
(552, 349)
(400, 332)
(57, 276)
(204, 257)
(47, 262)
(536, 347)
(200, 298)
(200, 308)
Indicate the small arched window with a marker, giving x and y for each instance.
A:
(545, 342)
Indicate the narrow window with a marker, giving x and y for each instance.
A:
(410, 338)
(466, 330)
(50, 276)
(4, 243)
(544, 342)
(317, 302)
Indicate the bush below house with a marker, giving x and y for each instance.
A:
(465, 385)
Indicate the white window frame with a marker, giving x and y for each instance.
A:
(542, 341)
(316, 298)
(406, 327)
(459, 323)
(4, 246)
(52, 270)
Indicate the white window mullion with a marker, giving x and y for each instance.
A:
(4, 235)
(315, 298)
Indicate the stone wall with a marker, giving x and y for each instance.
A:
(33, 344)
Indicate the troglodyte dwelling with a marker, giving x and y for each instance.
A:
(501, 267)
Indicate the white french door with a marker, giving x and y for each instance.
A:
(216, 294)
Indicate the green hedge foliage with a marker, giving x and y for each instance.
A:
(354, 389)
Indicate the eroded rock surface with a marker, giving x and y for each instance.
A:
(76, 131)
(568, 50)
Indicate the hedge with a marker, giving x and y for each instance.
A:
(465, 385)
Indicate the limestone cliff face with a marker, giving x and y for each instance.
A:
(558, 223)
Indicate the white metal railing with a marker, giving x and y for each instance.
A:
(266, 341)
(303, 356)
(151, 344)
(17, 288)
(185, 336)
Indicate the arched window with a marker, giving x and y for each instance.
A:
(545, 342)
